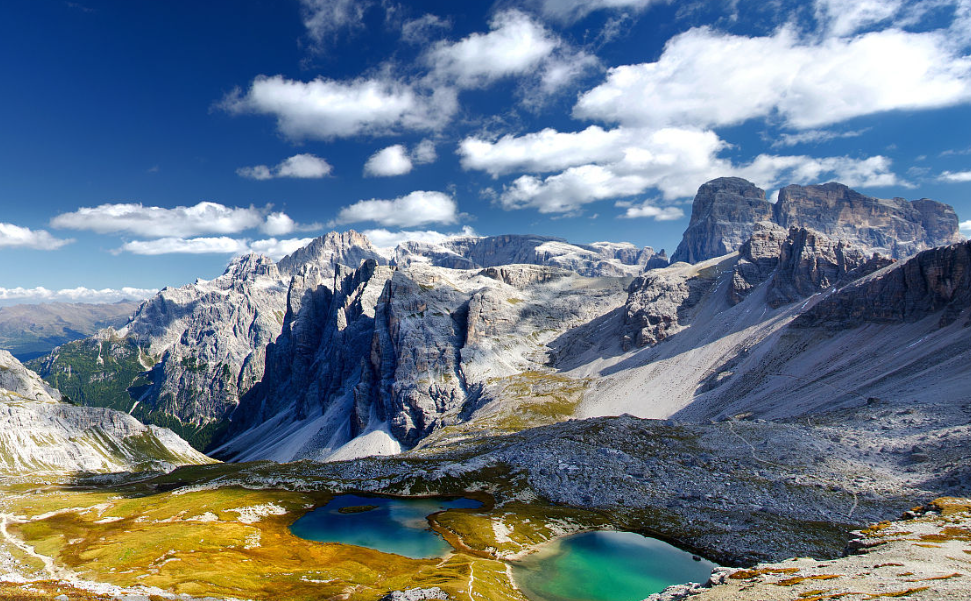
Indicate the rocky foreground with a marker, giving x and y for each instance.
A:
(925, 555)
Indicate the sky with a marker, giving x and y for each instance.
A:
(145, 143)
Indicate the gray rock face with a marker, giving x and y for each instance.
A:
(723, 216)
(726, 210)
(659, 304)
(210, 338)
(894, 227)
(935, 280)
(41, 435)
(377, 358)
(800, 262)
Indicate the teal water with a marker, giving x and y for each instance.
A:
(606, 566)
(397, 526)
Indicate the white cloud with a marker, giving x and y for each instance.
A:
(158, 222)
(258, 172)
(417, 208)
(325, 19)
(76, 295)
(421, 30)
(516, 45)
(271, 247)
(596, 164)
(652, 211)
(278, 224)
(705, 78)
(192, 246)
(547, 150)
(15, 236)
(390, 161)
(955, 176)
(277, 249)
(382, 238)
(813, 136)
(572, 10)
(424, 153)
(302, 166)
(844, 17)
(326, 109)
(965, 225)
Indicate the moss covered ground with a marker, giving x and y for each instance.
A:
(185, 533)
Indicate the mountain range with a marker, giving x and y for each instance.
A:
(343, 349)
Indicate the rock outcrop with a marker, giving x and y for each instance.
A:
(936, 280)
(40, 434)
(726, 210)
(800, 262)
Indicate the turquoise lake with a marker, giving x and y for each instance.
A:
(606, 566)
(391, 525)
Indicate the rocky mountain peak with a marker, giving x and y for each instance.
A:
(348, 248)
(723, 216)
(726, 210)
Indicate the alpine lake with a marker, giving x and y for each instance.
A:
(590, 566)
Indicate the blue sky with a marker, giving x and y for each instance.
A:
(143, 144)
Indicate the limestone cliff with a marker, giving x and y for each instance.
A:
(726, 210)
(723, 216)
(934, 281)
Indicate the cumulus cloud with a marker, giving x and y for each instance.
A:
(383, 238)
(546, 150)
(955, 176)
(271, 247)
(390, 161)
(278, 224)
(277, 249)
(397, 160)
(648, 209)
(572, 10)
(302, 166)
(76, 295)
(193, 246)
(418, 208)
(326, 19)
(965, 225)
(179, 222)
(516, 45)
(705, 78)
(325, 109)
(597, 164)
(12, 236)
(424, 153)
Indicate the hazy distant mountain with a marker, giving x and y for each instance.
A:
(29, 331)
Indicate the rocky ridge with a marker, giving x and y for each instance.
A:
(385, 356)
(726, 210)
